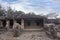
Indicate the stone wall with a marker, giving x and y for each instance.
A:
(1, 24)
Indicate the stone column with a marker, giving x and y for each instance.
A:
(22, 23)
(14, 24)
(1, 25)
(7, 24)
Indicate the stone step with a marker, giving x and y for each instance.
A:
(32, 30)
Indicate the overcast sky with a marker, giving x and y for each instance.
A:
(37, 6)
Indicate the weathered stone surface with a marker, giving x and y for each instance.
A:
(58, 34)
(22, 23)
(16, 29)
(48, 25)
(27, 36)
(50, 30)
(7, 24)
(16, 26)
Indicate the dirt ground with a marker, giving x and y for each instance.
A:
(25, 36)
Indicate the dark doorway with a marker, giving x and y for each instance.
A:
(11, 23)
(4, 23)
(28, 23)
(19, 21)
(37, 23)
(41, 22)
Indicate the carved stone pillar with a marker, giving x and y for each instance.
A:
(22, 23)
(7, 24)
(14, 24)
